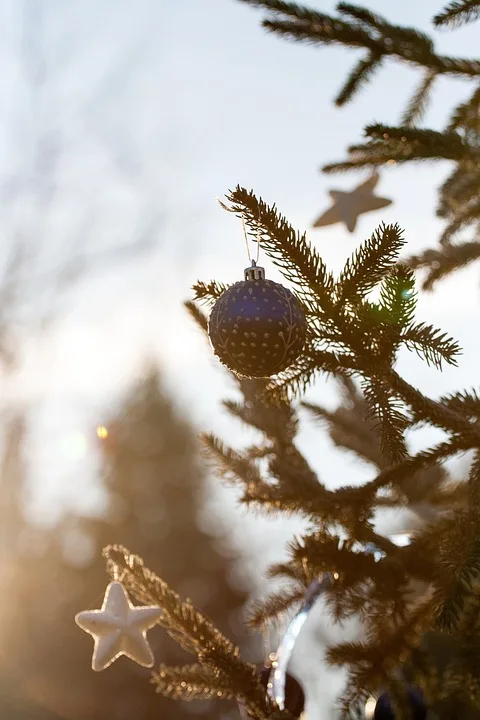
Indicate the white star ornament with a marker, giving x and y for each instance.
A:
(347, 206)
(119, 628)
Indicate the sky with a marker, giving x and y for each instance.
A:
(145, 112)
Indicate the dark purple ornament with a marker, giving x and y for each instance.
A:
(384, 708)
(294, 695)
(257, 327)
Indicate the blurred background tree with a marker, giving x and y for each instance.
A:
(155, 489)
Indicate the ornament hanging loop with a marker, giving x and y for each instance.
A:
(245, 234)
(254, 272)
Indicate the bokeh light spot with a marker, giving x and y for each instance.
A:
(102, 432)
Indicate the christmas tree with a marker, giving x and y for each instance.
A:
(419, 603)
(155, 489)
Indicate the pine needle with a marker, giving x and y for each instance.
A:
(458, 13)
(392, 418)
(368, 265)
(418, 103)
(191, 682)
(198, 315)
(360, 75)
(208, 292)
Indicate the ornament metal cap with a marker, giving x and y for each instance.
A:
(254, 272)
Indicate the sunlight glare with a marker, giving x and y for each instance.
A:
(370, 708)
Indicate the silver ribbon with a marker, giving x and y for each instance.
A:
(278, 673)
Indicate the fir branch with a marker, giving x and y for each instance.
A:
(402, 144)
(470, 620)
(384, 643)
(463, 216)
(273, 501)
(298, 572)
(429, 410)
(398, 298)
(294, 475)
(418, 103)
(327, 553)
(363, 15)
(447, 144)
(325, 30)
(465, 403)
(466, 112)
(474, 489)
(279, 423)
(299, 375)
(458, 566)
(369, 264)
(395, 33)
(234, 467)
(289, 9)
(393, 44)
(430, 344)
(360, 74)
(445, 261)
(367, 31)
(261, 613)
(392, 422)
(426, 494)
(238, 410)
(460, 188)
(396, 310)
(371, 661)
(458, 13)
(192, 682)
(297, 492)
(198, 315)
(396, 475)
(208, 292)
(299, 262)
(189, 628)
(349, 430)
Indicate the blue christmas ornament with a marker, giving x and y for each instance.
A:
(384, 708)
(257, 327)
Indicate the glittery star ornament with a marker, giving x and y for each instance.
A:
(119, 628)
(347, 206)
(257, 327)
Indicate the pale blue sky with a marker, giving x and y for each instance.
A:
(156, 108)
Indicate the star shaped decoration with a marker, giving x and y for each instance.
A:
(347, 206)
(119, 628)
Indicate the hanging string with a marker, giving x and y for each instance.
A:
(252, 262)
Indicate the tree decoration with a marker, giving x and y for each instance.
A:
(347, 206)
(119, 628)
(219, 671)
(277, 687)
(257, 327)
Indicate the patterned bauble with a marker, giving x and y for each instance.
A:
(294, 695)
(257, 327)
(384, 708)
